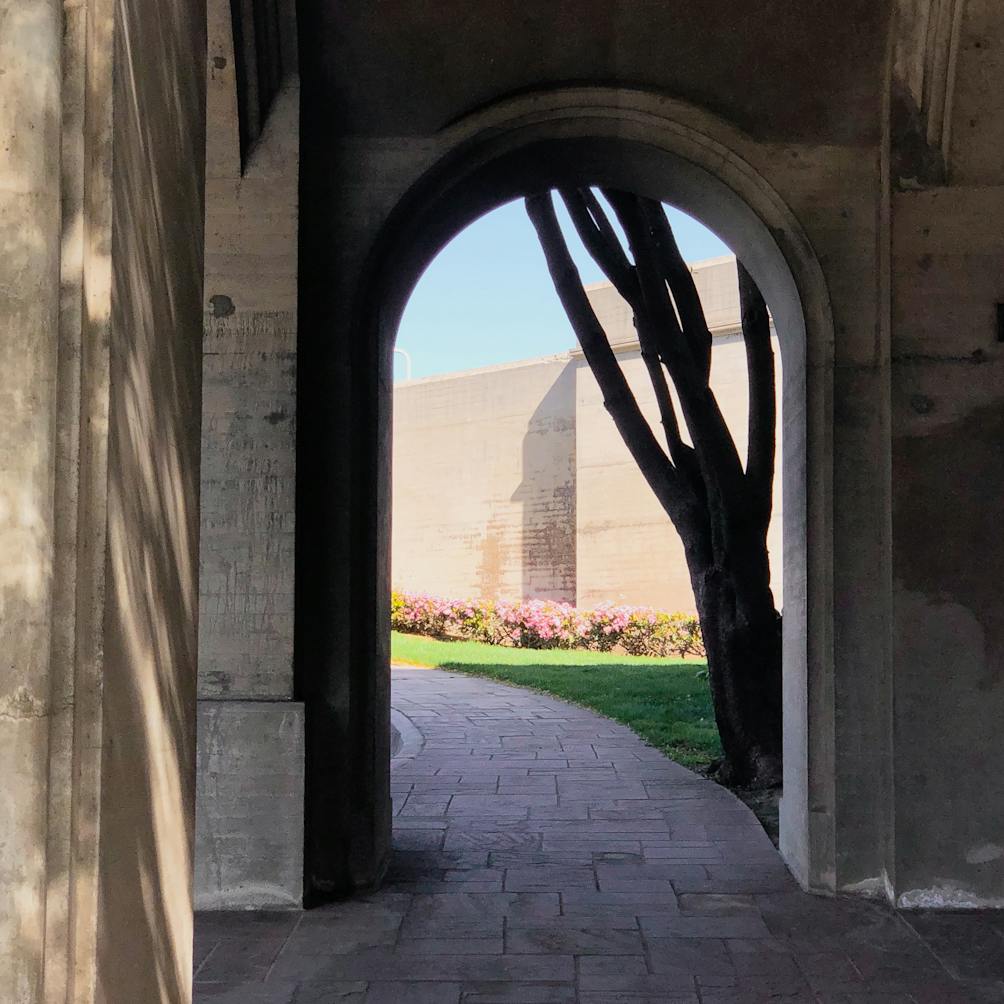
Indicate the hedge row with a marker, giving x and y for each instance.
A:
(548, 624)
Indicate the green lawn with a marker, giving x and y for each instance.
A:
(666, 701)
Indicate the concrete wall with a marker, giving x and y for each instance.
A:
(249, 808)
(484, 483)
(251, 754)
(948, 479)
(514, 483)
(102, 280)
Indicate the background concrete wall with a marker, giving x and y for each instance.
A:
(514, 483)
(484, 483)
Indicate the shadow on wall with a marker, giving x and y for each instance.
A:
(547, 493)
(147, 792)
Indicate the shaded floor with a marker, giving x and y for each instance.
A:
(545, 854)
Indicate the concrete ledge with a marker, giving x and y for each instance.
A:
(249, 805)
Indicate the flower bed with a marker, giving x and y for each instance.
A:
(549, 624)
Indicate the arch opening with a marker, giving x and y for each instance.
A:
(513, 492)
(484, 164)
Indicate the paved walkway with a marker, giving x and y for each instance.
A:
(544, 854)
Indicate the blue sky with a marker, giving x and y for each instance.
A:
(487, 297)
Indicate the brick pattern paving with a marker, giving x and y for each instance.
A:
(544, 854)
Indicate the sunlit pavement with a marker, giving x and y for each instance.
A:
(545, 854)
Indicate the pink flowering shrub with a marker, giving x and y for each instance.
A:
(652, 632)
(548, 624)
(419, 613)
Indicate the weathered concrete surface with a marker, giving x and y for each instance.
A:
(751, 69)
(249, 416)
(948, 420)
(246, 594)
(30, 109)
(972, 124)
(249, 805)
(545, 854)
(102, 219)
(941, 799)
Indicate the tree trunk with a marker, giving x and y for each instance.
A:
(742, 637)
(720, 509)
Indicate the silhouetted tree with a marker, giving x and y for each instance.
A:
(720, 510)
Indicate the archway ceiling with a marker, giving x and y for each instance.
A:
(780, 70)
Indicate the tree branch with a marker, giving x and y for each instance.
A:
(655, 308)
(620, 402)
(720, 466)
(681, 454)
(681, 283)
(601, 241)
(762, 390)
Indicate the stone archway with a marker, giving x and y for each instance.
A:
(660, 148)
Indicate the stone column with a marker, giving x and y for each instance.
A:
(249, 846)
(30, 54)
(100, 291)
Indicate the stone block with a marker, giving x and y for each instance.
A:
(249, 805)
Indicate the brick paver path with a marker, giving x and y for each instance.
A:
(545, 854)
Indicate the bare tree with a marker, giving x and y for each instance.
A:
(720, 510)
